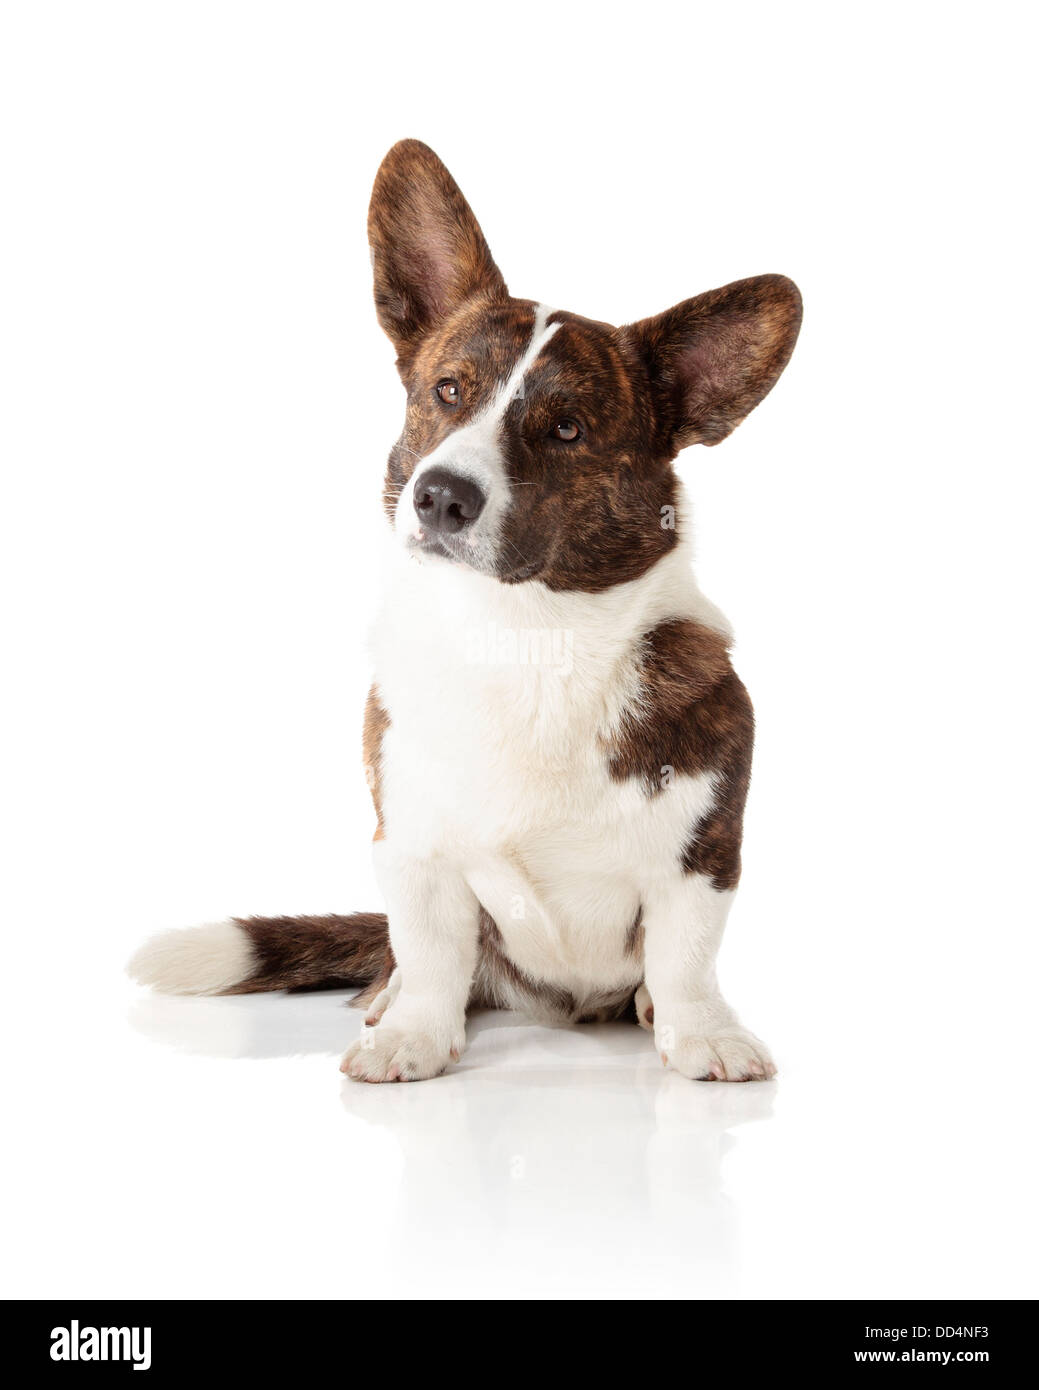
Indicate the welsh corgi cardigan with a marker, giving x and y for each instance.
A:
(557, 745)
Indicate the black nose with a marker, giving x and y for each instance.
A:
(446, 502)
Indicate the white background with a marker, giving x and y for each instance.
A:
(197, 405)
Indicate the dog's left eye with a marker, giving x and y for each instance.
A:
(448, 392)
(566, 430)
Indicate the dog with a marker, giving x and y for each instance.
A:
(557, 745)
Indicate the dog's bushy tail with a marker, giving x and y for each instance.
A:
(249, 954)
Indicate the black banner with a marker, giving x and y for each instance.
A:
(151, 1341)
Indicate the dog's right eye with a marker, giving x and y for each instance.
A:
(449, 393)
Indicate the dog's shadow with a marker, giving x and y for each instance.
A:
(540, 1138)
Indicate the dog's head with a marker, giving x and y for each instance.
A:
(538, 444)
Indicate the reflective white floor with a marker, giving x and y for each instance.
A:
(548, 1160)
(210, 1148)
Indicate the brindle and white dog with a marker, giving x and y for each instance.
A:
(558, 747)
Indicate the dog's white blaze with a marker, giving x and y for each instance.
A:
(540, 334)
(475, 452)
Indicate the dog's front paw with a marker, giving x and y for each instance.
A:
(728, 1054)
(390, 1054)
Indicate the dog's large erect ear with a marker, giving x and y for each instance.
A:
(713, 358)
(428, 252)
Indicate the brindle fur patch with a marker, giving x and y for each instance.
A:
(303, 953)
(595, 512)
(694, 716)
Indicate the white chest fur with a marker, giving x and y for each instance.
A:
(500, 699)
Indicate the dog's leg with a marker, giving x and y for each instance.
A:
(696, 1032)
(434, 931)
(644, 1008)
(382, 1001)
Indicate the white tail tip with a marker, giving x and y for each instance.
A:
(194, 960)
